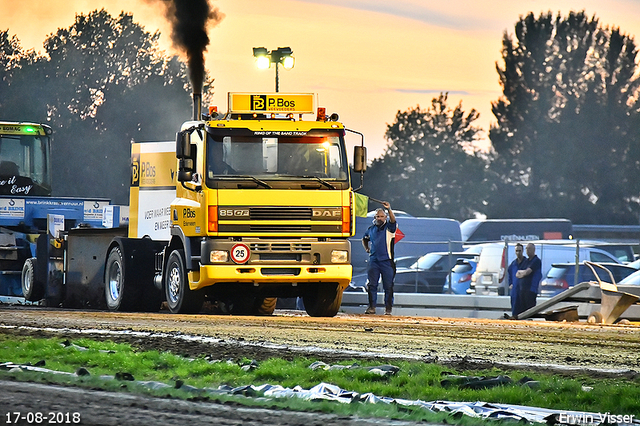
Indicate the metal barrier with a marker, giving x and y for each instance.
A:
(433, 305)
(587, 300)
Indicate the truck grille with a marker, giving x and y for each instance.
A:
(280, 213)
(281, 271)
(280, 247)
(280, 228)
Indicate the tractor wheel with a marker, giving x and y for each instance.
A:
(32, 289)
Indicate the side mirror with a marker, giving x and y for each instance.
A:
(359, 159)
(185, 160)
(183, 145)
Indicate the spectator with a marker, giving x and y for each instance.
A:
(511, 272)
(378, 241)
(529, 278)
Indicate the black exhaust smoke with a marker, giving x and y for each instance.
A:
(189, 21)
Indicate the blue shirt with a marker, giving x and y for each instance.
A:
(381, 240)
(513, 268)
(532, 281)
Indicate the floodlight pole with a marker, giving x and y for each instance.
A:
(276, 57)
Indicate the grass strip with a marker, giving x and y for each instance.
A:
(415, 380)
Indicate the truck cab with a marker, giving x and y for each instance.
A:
(24, 159)
(263, 208)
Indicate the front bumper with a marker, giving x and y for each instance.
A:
(270, 274)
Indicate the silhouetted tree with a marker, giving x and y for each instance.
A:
(102, 83)
(22, 81)
(431, 167)
(567, 136)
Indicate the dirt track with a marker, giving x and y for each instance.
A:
(567, 348)
(531, 344)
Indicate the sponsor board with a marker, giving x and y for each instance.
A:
(94, 210)
(295, 103)
(12, 208)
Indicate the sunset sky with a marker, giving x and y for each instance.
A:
(366, 59)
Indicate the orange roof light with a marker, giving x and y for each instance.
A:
(322, 114)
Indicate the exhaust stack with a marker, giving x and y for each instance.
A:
(189, 21)
(197, 106)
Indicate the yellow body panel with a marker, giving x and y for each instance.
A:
(153, 187)
(280, 197)
(252, 274)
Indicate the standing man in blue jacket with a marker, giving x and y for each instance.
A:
(378, 241)
(529, 280)
(514, 267)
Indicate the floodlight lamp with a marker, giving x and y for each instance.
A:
(263, 62)
(288, 62)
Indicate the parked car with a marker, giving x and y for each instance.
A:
(561, 276)
(421, 235)
(428, 274)
(633, 279)
(622, 251)
(460, 276)
(359, 281)
(635, 264)
(406, 261)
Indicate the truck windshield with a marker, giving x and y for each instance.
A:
(320, 156)
(24, 168)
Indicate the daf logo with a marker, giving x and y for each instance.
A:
(327, 213)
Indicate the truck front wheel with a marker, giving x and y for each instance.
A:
(323, 301)
(180, 298)
(32, 289)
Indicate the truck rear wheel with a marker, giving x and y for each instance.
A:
(323, 301)
(180, 298)
(119, 288)
(32, 289)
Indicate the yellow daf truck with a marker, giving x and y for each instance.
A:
(244, 207)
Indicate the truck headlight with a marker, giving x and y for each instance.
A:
(218, 256)
(339, 256)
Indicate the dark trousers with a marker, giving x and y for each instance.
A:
(376, 269)
(525, 299)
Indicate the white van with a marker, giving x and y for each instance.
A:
(490, 276)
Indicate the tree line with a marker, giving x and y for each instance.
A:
(565, 142)
(100, 84)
